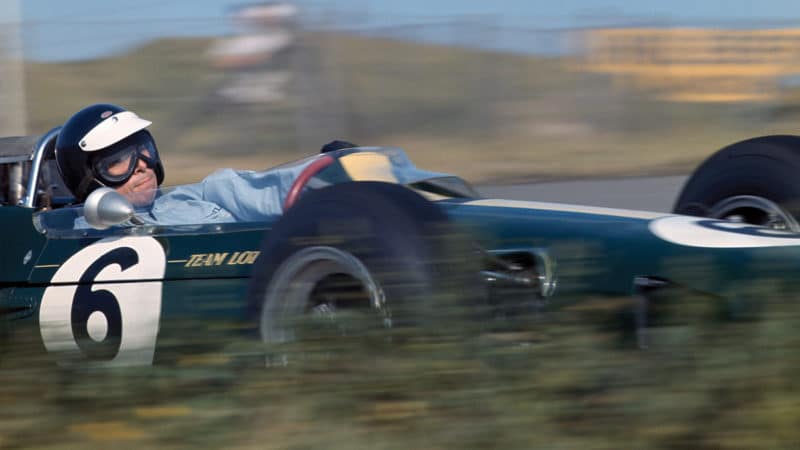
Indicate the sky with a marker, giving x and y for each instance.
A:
(82, 29)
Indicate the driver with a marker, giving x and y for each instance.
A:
(107, 145)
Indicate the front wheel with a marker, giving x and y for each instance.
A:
(357, 256)
(754, 181)
(327, 284)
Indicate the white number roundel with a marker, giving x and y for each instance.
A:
(713, 233)
(101, 311)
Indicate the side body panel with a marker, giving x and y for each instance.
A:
(599, 250)
(21, 245)
(144, 297)
(135, 299)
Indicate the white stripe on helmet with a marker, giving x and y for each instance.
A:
(112, 130)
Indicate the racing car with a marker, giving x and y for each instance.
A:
(363, 229)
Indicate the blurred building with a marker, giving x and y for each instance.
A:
(696, 64)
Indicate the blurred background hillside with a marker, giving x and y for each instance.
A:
(490, 98)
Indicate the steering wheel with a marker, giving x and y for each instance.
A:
(300, 182)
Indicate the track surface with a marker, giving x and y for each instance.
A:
(648, 194)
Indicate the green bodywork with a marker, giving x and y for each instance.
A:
(601, 253)
(208, 268)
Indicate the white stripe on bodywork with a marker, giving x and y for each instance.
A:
(681, 230)
(711, 233)
(566, 208)
(112, 130)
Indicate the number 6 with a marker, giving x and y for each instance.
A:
(97, 314)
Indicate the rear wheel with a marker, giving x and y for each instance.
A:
(754, 181)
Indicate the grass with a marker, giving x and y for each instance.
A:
(570, 380)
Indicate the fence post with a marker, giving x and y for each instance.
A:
(13, 110)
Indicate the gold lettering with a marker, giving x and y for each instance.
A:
(199, 259)
(251, 257)
(219, 258)
(232, 261)
(238, 259)
(190, 262)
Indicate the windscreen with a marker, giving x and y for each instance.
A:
(231, 198)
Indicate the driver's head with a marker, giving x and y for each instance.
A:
(334, 145)
(105, 145)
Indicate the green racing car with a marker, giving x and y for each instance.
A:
(364, 230)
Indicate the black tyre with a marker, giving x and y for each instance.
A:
(755, 181)
(378, 249)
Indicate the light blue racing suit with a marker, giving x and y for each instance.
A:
(226, 195)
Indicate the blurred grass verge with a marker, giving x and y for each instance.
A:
(568, 380)
(484, 115)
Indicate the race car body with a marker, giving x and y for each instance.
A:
(112, 296)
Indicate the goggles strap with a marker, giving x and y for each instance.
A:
(83, 186)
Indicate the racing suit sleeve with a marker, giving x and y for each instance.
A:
(181, 206)
(249, 195)
(228, 195)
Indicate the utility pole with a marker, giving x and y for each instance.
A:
(13, 109)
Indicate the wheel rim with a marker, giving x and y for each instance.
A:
(316, 281)
(754, 210)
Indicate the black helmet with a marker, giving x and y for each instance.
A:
(334, 145)
(97, 136)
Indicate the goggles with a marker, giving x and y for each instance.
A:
(115, 165)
